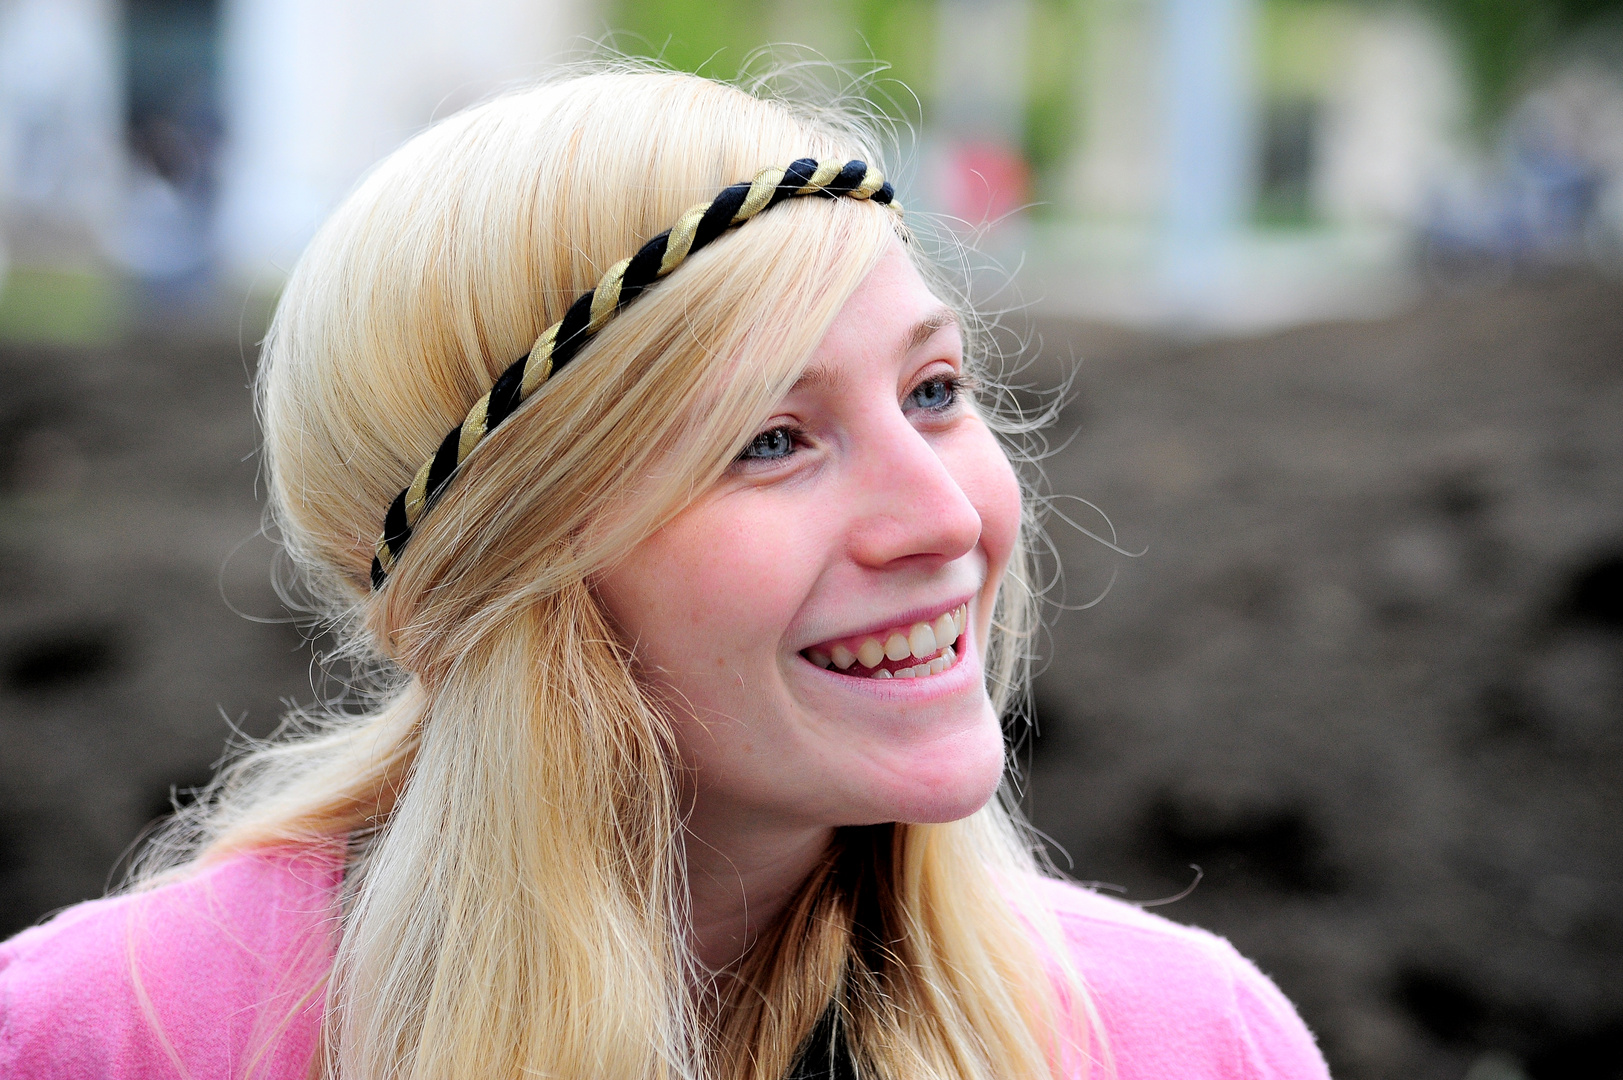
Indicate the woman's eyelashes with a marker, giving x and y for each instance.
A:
(937, 394)
(771, 445)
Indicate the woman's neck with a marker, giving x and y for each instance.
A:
(740, 878)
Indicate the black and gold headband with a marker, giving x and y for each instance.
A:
(623, 282)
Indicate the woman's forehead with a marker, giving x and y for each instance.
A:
(824, 372)
(892, 310)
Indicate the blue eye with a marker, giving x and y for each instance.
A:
(770, 445)
(934, 394)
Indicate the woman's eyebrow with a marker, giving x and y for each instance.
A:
(929, 326)
(816, 377)
(820, 377)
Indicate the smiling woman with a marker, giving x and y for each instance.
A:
(887, 509)
(692, 577)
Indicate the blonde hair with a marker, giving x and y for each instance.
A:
(516, 903)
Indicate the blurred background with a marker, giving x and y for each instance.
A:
(1337, 282)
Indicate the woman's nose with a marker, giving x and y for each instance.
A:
(905, 502)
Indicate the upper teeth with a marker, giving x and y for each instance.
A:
(923, 640)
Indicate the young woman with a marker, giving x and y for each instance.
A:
(614, 421)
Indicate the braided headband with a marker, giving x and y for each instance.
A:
(623, 282)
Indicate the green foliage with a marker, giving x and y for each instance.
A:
(1055, 43)
(59, 307)
(901, 35)
(716, 37)
(1299, 43)
(711, 37)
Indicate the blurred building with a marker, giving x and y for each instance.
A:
(1206, 164)
(61, 124)
(316, 92)
(1211, 164)
(175, 139)
(1243, 164)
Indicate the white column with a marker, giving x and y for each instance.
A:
(316, 92)
(981, 67)
(1118, 170)
(61, 120)
(1211, 140)
(977, 118)
(1393, 120)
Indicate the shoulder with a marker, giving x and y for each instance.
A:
(1175, 1000)
(215, 972)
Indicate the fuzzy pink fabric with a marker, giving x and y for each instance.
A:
(232, 970)
(233, 965)
(1177, 1003)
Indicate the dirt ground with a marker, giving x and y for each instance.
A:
(1368, 675)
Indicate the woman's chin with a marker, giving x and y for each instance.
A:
(954, 806)
(948, 788)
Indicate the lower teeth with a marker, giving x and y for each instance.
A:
(933, 667)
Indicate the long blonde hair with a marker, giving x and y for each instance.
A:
(516, 899)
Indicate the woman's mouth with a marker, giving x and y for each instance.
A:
(902, 652)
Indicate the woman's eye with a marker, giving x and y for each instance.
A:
(769, 445)
(935, 394)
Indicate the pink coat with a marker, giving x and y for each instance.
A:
(232, 968)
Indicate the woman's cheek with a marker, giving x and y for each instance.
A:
(723, 577)
(994, 490)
